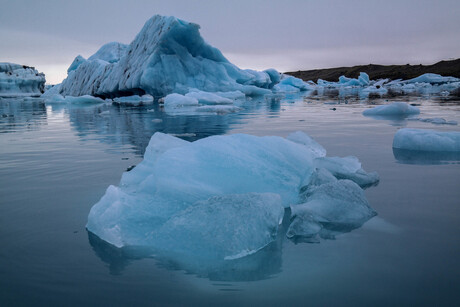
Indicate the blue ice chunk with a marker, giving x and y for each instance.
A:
(338, 207)
(392, 109)
(167, 56)
(219, 197)
(427, 140)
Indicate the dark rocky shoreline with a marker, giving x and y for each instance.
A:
(444, 68)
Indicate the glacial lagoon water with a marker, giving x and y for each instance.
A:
(56, 161)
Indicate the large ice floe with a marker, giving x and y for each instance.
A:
(224, 197)
(20, 80)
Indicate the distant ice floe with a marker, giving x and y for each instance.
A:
(20, 81)
(223, 197)
(363, 87)
(392, 109)
(427, 140)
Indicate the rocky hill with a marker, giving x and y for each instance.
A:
(444, 68)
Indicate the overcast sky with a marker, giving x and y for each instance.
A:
(286, 35)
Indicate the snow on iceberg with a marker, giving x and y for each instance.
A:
(167, 56)
(427, 140)
(219, 197)
(20, 80)
(392, 109)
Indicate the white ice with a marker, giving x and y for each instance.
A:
(427, 140)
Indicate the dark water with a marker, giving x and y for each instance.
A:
(56, 162)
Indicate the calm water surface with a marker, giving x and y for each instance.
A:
(57, 160)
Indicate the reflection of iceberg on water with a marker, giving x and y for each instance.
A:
(223, 198)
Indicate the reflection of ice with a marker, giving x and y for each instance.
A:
(425, 157)
(21, 113)
(380, 225)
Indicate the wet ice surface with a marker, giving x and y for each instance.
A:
(57, 160)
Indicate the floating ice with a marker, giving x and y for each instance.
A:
(348, 168)
(209, 98)
(198, 101)
(392, 109)
(427, 140)
(167, 56)
(291, 84)
(85, 99)
(221, 196)
(178, 100)
(20, 80)
(134, 99)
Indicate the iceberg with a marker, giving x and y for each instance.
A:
(20, 80)
(221, 197)
(392, 109)
(291, 84)
(167, 56)
(427, 140)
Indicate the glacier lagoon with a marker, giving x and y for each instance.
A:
(58, 159)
